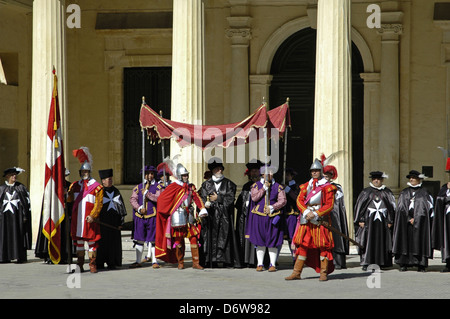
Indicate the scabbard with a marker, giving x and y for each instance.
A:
(329, 227)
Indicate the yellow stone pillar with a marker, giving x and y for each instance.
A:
(332, 115)
(48, 52)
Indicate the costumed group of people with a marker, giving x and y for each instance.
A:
(166, 213)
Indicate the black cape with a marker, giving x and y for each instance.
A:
(291, 211)
(441, 224)
(375, 208)
(15, 222)
(412, 243)
(339, 221)
(247, 252)
(217, 232)
(113, 213)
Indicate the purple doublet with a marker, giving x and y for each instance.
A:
(144, 225)
(266, 229)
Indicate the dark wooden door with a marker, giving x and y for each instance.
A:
(293, 70)
(155, 85)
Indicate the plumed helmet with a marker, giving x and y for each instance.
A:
(181, 170)
(86, 166)
(316, 165)
(84, 156)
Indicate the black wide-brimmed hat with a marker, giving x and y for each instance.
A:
(105, 173)
(377, 174)
(416, 174)
(12, 170)
(254, 164)
(215, 162)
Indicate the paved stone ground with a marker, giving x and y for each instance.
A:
(38, 280)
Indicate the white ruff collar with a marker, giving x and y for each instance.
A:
(379, 188)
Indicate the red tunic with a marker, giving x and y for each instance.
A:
(169, 200)
(316, 240)
(87, 200)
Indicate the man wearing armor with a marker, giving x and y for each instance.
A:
(87, 198)
(314, 243)
(176, 219)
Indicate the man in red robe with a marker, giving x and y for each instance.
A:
(314, 242)
(176, 220)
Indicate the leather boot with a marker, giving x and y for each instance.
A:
(298, 267)
(80, 259)
(195, 257)
(92, 261)
(179, 253)
(323, 270)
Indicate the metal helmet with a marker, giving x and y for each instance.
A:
(181, 170)
(86, 166)
(316, 165)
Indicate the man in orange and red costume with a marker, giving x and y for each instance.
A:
(314, 242)
(175, 204)
(87, 198)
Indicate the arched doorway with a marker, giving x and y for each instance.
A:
(293, 71)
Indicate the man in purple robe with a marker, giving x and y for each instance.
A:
(265, 226)
(143, 200)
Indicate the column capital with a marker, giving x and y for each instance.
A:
(261, 79)
(391, 29)
(239, 36)
(370, 77)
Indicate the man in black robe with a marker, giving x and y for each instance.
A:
(291, 210)
(15, 218)
(373, 219)
(441, 225)
(412, 225)
(217, 232)
(247, 252)
(338, 220)
(113, 214)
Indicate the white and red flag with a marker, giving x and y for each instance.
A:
(53, 204)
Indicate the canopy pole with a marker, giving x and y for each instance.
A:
(265, 154)
(143, 148)
(285, 149)
(163, 154)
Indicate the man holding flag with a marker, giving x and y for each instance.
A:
(53, 237)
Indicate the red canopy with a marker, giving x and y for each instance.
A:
(224, 135)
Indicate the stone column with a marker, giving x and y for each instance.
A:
(188, 78)
(239, 33)
(48, 52)
(389, 122)
(371, 122)
(259, 89)
(332, 115)
(445, 61)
